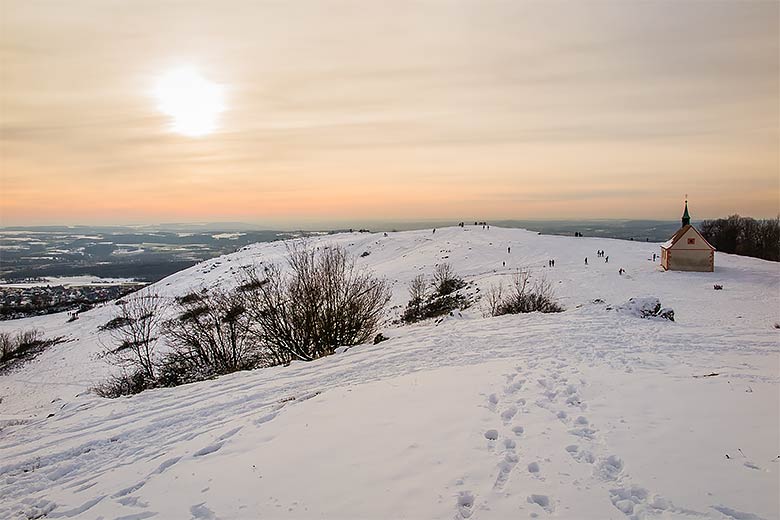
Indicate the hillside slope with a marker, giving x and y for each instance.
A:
(585, 414)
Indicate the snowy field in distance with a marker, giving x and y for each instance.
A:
(587, 414)
(68, 281)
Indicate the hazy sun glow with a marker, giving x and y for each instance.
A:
(193, 103)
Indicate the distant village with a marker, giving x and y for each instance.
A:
(23, 302)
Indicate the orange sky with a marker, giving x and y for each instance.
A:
(390, 110)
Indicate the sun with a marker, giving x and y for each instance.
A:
(193, 103)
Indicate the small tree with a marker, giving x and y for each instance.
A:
(7, 346)
(494, 297)
(137, 335)
(445, 281)
(418, 292)
(23, 346)
(523, 297)
(443, 299)
(324, 301)
(208, 337)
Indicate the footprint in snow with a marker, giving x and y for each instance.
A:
(583, 456)
(635, 501)
(465, 504)
(505, 468)
(514, 387)
(508, 414)
(201, 512)
(131, 489)
(610, 467)
(491, 435)
(165, 465)
(208, 449)
(584, 432)
(266, 418)
(229, 434)
(543, 501)
(736, 515)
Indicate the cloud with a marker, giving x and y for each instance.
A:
(352, 96)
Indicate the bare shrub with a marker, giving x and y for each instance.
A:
(493, 299)
(136, 334)
(28, 338)
(113, 323)
(322, 303)
(445, 281)
(209, 337)
(6, 345)
(523, 296)
(188, 298)
(418, 293)
(22, 347)
(443, 299)
(125, 383)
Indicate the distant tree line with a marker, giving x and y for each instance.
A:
(744, 236)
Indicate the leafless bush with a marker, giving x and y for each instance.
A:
(23, 346)
(124, 383)
(6, 345)
(418, 293)
(113, 324)
(523, 296)
(323, 302)
(445, 281)
(209, 337)
(443, 299)
(136, 334)
(28, 337)
(493, 299)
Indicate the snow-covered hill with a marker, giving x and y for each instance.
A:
(587, 414)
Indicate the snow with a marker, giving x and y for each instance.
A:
(227, 236)
(69, 281)
(587, 414)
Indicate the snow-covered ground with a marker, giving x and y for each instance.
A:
(68, 281)
(587, 414)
